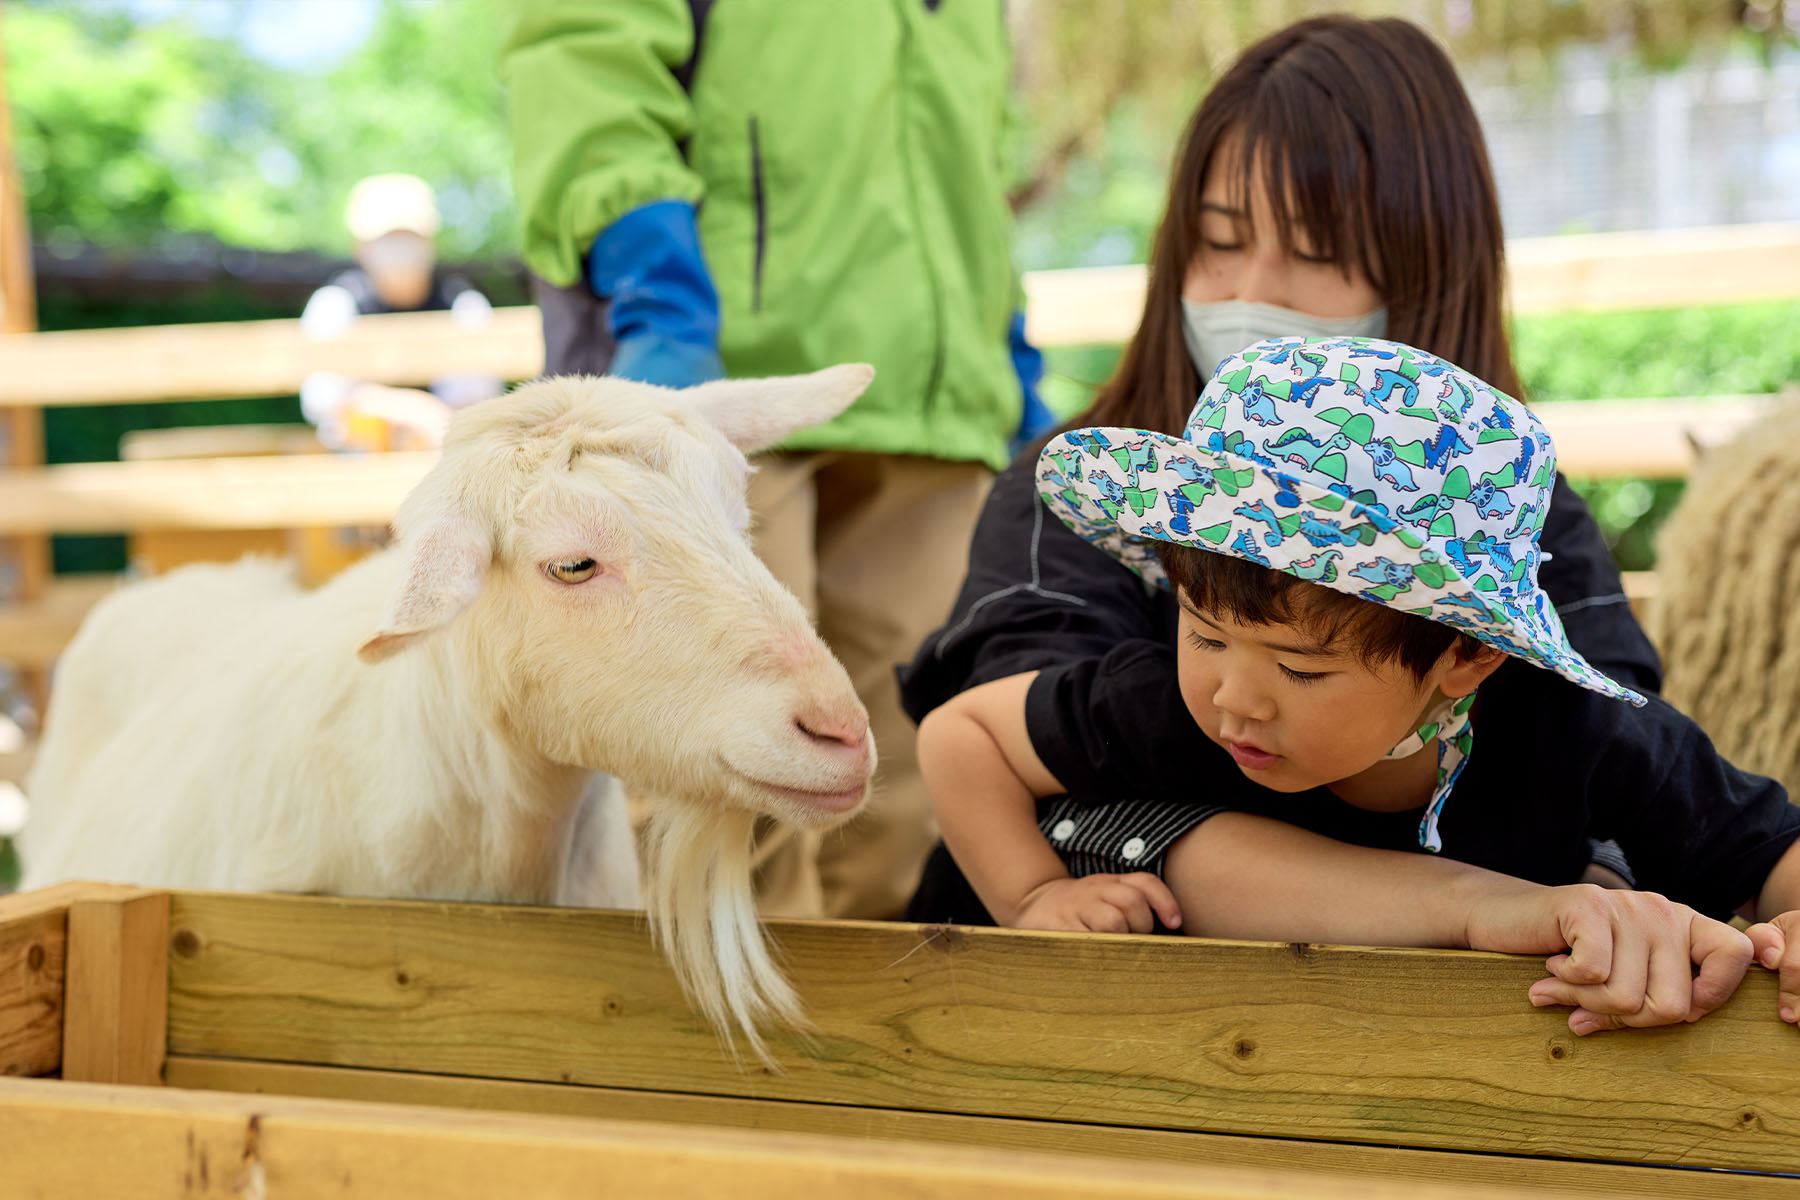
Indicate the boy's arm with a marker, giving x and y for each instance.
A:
(1628, 954)
(1778, 927)
(984, 779)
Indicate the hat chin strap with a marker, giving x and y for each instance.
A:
(1435, 719)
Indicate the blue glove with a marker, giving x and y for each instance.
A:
(662, 307)
(1028, 364)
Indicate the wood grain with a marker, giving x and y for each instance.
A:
(31, 992)
(1395, 1047)
(73, 1139)
(116, 1011)
(839, 1120)
(220, 493)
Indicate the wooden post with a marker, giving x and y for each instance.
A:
(115, 1019)
(24, 561)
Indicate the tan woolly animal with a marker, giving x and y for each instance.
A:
(572, 591)
(1727, 612)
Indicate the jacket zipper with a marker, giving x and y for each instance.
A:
(908, 52)
(762, 216)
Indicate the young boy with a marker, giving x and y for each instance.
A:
(1351, 528)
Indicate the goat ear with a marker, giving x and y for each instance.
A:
(755, 413)
(444, 567)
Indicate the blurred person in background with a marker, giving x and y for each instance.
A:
(761, 188)
(393, 220)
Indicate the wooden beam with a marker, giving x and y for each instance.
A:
(225, 493)
(1656, 439)
(1673, 268)
(116, 1015)
(1421, 1048)
(227, 359)
(24, 561)
(33, 941)
(838, 1120)
(1602, 439)
(1663, 268)
(1085, 306)
(71, 1139)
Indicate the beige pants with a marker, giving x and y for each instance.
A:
(875, 546)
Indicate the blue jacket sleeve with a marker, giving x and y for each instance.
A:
(662, 308)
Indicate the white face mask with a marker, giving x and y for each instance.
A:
(1215, 331)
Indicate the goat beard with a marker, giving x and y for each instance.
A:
(703, 916)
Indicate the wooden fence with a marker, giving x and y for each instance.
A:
(978, 1063)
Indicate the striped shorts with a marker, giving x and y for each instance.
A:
(1117, 837)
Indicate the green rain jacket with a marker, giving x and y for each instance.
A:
(844, 158)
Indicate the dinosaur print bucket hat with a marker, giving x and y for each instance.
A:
(1365, 466)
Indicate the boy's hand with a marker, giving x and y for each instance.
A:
(1770, 940)
(1631, 957)
(1099, 904)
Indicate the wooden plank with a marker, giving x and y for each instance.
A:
(73, 1139)
(1084, 306)
(24, 561)
(32, 970)
(1664, 268)
(226, 493)
(32, 635)
(1610, 438)
(116, 1013)
(227, 359)
(1657, 439)
(839, 1120)
(1672, 268)
(1412, 1047)
(218, 441)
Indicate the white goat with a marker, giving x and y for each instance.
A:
(580, 555)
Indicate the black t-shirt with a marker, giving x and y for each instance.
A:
(1037, 595)
(1553, 767)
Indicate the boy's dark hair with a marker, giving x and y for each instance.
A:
(1257, 595)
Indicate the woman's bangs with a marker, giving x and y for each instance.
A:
(1294, 150)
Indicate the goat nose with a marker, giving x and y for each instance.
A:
(850, 730)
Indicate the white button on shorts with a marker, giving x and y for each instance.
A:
(1130, 850)
(1063, 830)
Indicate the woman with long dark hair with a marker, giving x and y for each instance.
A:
(1333, 181)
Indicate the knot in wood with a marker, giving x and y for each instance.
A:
(1243, 1047)
(185, 943)
(34, 958)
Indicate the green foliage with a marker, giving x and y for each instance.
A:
(126, 133)
(9, 866)
(1739, 349)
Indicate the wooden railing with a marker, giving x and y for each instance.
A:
(949, 1061)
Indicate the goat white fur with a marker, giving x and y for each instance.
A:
(571, 591)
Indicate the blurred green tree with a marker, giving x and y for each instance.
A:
(128, 131)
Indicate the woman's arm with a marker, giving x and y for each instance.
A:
(1035, 595)
(1582, 580)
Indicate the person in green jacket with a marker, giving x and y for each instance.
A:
(765, 187)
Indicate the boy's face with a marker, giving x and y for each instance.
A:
(1294, 714)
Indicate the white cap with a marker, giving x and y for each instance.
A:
(384, 203)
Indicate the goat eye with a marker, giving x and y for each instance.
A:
(574, 570)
